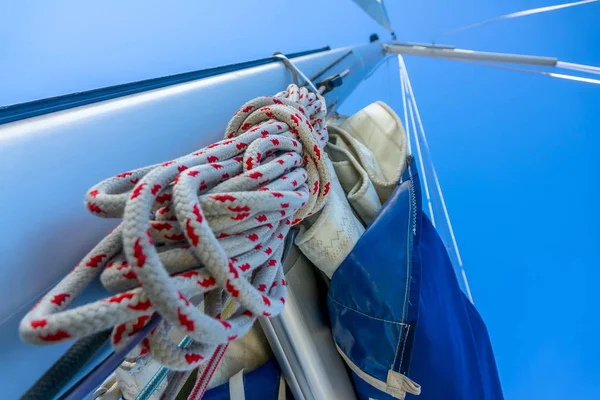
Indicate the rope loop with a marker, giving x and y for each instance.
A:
(208, 223)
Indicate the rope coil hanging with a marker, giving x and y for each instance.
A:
(211, 221)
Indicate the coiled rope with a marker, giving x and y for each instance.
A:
(209, 221)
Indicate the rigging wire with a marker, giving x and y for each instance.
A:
(533, 71)
(420, 157)
(588, 69)
(402, 85)
(404, 74)
(517, 14)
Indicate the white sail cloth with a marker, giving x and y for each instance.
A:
(334, 232)
(368, 152)
(375, 139)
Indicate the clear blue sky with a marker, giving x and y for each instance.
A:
(516, 154)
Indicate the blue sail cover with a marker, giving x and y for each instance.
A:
(398, 315)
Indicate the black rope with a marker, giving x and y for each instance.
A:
(65, 368)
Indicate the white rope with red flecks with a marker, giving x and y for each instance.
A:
(209, 221)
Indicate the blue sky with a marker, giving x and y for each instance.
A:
(515, 153)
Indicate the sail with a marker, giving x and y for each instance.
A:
(376, 9)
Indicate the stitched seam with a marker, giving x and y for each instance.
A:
(408, 254)
(403, 348)
(408, 259)
(363, 314)
(397, 347)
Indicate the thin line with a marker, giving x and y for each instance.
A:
(435, 177)
(517, 14)
(572, 78)
(531, 71)
(422, 165)
(588, 69)
(436, 180)
(404, 103)
(331, 65)
(363, 314)
(464, 275)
